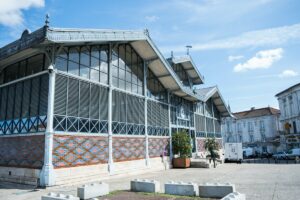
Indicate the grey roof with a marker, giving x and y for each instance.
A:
(290, 88)
(190, 68)
(140, 41)
(214, 93)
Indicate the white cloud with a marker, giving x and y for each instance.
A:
(288, 73)
(152, 18)
(234, 58)
(259, 38)
(11, 10)
(261, 60)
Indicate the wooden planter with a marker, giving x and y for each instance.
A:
(181, 162)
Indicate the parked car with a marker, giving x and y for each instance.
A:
(279, 155)
(248, 152)
(266, 155)
(293, 153)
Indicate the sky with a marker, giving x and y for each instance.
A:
(249, 49)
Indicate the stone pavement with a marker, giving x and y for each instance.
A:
(257, 181)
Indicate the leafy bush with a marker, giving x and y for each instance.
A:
(212, 146)
(181, 144)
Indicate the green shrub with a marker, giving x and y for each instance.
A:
(181, 144)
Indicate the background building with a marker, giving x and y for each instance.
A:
(257, 128)
(289, 105)
(81, 104)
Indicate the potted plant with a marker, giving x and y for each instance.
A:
(182, 149)
(212, 146)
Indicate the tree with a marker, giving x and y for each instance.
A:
(212, 146)
(181, 144)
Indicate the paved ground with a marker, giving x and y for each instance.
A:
(257, 181)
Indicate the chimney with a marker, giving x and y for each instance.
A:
(252, 108)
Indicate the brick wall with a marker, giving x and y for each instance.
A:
(71, 151)
(158, 147)
(22, 151)
(128, 148)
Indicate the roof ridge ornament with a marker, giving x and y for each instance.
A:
(47, 22)
(146, 32)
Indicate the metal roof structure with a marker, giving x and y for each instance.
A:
(31, 43)
(214, 93)
(190, 68)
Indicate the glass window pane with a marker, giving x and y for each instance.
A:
(94, 75)
(122, 74)
(103, 78)
(128, 76)
(85, 56)
(104, 56)
(73, 68)
(35, 64)
(114, 81)
(61, 64)
(104, 67)
(122, 84)
(22, 69)
(114, 71)
(95, 52)
(95, 63)
(74, 55)
(128, 86)
(84, 71)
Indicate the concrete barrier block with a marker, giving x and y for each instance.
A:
(215, 190)
(145, 185)
(55, 196)
(234, 196)
(181, 188)
(92, 190)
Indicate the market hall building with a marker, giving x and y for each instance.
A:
(82, 104)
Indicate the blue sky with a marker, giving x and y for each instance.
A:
(250, 49)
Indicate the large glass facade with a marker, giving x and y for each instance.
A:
(90, 62)
(23, 68)
(127, 69)
(155, 89)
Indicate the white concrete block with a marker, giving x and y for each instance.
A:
(215, 190)
(181, 188)
(145, 185)
(235, 196)
(55, 196)
(92, 190)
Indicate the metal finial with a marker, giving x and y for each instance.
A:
(47, 22)
(146, 31)
(172, 54)
(188, 47)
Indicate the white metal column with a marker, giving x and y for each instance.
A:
(204, 113)
(146, 117)
(47, 175)
(170, 128)
(213, 114)
(110, 138)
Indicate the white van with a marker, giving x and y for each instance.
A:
(233, 152)
(293, 153)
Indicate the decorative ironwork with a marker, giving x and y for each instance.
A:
(25, 125)
(123, 128)
(78, 124)
(158, 131)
